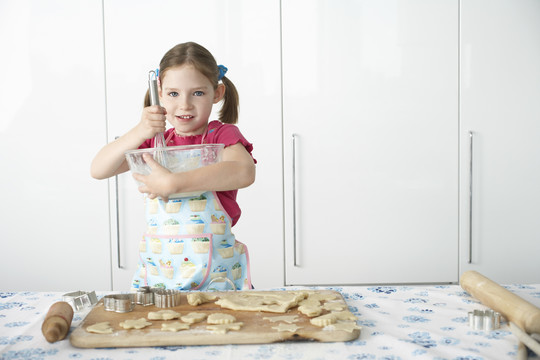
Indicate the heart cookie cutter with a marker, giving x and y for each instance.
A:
(144, 296)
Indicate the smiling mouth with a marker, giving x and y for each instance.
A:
(184, 117)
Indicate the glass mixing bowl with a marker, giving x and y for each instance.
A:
(176, 159)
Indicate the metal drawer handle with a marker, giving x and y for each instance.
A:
(295, 262)
(470, 195)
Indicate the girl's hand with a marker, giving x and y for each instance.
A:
(158, 182)
(153, 121)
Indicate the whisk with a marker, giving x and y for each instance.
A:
(159, 140)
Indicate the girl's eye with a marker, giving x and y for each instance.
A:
(173, 94)
(198, 93)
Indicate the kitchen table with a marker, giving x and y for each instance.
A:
(398, 322)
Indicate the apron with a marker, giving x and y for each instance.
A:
(188, 244)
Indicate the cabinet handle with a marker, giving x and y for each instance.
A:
(470, 195)
(117, 203)
(295, 262)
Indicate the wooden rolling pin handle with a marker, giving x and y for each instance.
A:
(57, 321)
(512, 307)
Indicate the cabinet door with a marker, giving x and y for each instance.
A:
(242, 35)
(500, 89)
(370, 138)
(54, 215)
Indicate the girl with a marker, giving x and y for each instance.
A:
(189, 240)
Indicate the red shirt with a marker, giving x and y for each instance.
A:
(216, 133)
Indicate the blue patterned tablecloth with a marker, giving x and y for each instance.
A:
(398, 322)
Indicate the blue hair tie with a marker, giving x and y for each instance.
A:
(222, 71)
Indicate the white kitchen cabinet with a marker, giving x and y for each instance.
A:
(500, 89)
(242, 35)
(370, 105)
(54, 215)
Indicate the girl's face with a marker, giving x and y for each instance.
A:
(188, 96)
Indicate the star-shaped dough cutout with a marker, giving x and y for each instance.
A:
(286, 318)
(175, 326)
(286, 327)
(224, 328)
(135, 324)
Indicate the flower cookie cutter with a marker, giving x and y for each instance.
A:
(80, 300)
(486, 320)
(120, 303)
(166, 298)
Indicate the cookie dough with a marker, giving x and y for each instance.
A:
(334, 306)
(197, 298)
(100, 328)
(219, 318)
(310, 311)
(278, 302)
(344, 315)
(224, 328)
(348, 326)
(287, 327)
(324, 320)
(163, 315)
(135, 324)
(286, 318)
(175, 326)
(193, 317)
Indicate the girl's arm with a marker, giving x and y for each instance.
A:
(235, 171)
(110, 160)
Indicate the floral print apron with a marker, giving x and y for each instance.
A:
(188, 244)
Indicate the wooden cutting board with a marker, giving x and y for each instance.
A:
(256, 329)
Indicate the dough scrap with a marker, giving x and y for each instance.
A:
(163, 315)
(324, 320)
(287, 327)
(310, 302)
(100, 328)
(193, 317)
(348, 326)
(286, 318)
(197, 298)
(310, 311)
(135, 324)
(271, 301)
(321, 296)
(334, 306)
(175, 326)
(219, 318)
(223, 328)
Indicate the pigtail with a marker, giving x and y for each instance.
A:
(231, 103)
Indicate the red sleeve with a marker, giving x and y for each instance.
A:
(229, 134)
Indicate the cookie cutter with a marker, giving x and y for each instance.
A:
(164, 298)
(486, 320)
(144, 296)
(80, 299)
(120, 303)
(223, 279)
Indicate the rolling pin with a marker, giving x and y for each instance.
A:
(57, 321)
(512, 307)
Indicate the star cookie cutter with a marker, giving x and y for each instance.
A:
(80, 300)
